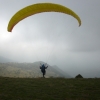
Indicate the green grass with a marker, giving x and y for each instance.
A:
(49, 89)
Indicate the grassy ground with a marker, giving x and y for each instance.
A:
(49, 89)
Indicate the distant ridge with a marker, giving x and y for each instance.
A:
(5, 60)
(32, 70)
(65, 74)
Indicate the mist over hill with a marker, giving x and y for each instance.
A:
(32, 70)
(56, 68)
(5, 60)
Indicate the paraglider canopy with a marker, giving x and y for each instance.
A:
(39, 8)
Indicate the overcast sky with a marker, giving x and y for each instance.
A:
(54, 38)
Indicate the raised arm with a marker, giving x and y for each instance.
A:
(40, 67)
(46, 67)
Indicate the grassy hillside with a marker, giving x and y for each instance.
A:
(49, 89)
(30, 70)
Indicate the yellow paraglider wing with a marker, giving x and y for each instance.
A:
(39, 8)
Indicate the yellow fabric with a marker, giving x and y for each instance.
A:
(39, 8)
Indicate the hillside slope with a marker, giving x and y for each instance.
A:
(27, 70)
